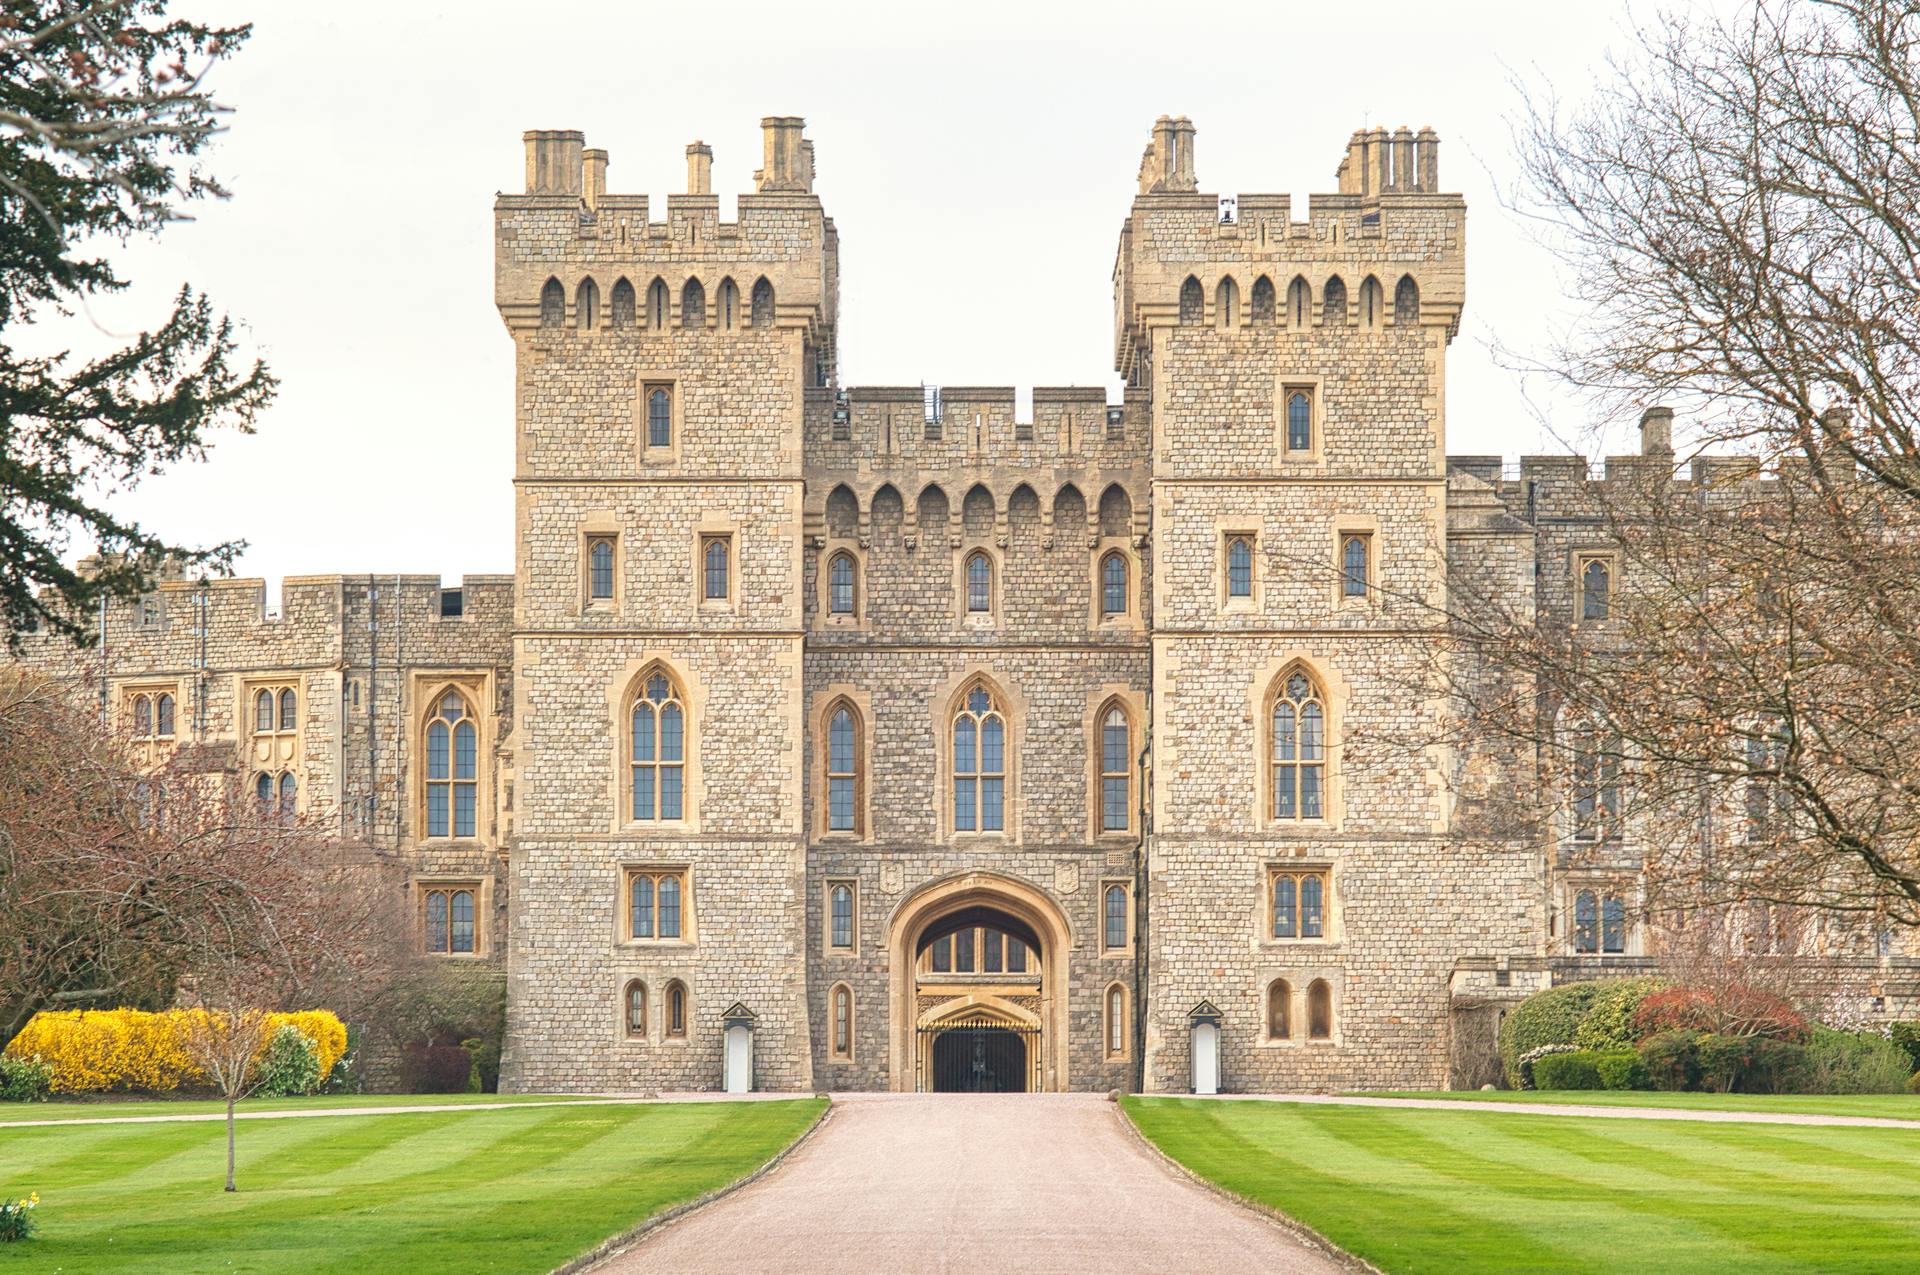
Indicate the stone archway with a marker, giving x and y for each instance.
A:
(1030, 912)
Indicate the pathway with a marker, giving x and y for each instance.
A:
(971, 1182)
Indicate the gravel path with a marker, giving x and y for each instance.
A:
(971, 1182)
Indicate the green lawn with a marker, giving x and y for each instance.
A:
(1886, 1106)
(107, 1108)
(1414, 1190)
(495, 1191)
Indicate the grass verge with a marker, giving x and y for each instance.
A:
(1439, 1191)
(510, 1191)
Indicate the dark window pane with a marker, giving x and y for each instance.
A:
(1285, 921)
(1310, 921)
(1586, 923)
(463, 921)
(1239, 568)
(436, 922)
(669, 907)
(641, 907)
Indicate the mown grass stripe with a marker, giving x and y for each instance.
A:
(1422, 1190)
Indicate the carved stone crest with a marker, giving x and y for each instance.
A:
(890, 878)
(1066, 877)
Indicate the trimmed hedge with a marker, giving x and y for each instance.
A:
(1578, 1070)
(1608, 1022)
(1622, 1069)
(1855, 1062)
(133, 1051)
(1550, 1017)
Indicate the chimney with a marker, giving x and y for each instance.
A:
(806, 163)
(1403, 174)
(1378, 162)
(1165, 144)
(594, 167)
(784, 166)
(554, 160)
(1353, 165)
(1428, 144)
(1183, 155)
(1656, 432)
(699, 168)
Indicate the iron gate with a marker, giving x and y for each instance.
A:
(981, 1055)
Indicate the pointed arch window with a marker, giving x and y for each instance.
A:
(716, 554)
(657, 304)
(586, 304)
(1406, 301)
(1113, 585)
(553, 304)
(842, 1003)
(675, 1026)
(1116, 770)
(1596, 785)
(263, 794)
(1114, 918)
(288, 709)
(1354, 554)
(1240, 566)
(979, 583)
(842, 576)
(289, 796)
(1279, 1010)
(1299, 904)
(636, 1009)
(658, 751)
(1298, 762)
(1226, 303)
(453, 768)
(1116, 1015)
(1263, 302)
(263, 714)
(762, 303)
(1372, 303)
(659, 416)
(1599, 923)
(1192, 301)
(979, 762)
(1299, 303)
(693, 304)
(1299, 419)
(1333, 304)
(450, 925)
(728, 302)
(843, 770)
(620, 305)
(1596, 588)
(600, 569)
(1319, 1010)
(142, 717)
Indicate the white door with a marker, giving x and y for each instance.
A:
(1206, 1058)
(739, 1068)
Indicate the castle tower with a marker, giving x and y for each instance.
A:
(657, 859)
(1295, 371)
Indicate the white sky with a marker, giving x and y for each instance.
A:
(978, 160)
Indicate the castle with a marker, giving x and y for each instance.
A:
(932, 746)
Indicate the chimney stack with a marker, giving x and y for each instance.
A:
(785, 166)
(594, 167)
(1353, 165)
(699, 168)
(1184, 178)
(1656, 432)
(1379, 165)
(1404, 177)
(554, 160)
(1428, 145)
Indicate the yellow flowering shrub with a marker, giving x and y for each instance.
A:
(134, 1051)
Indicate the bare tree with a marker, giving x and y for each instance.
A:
(1738, 209)
(223, 1039)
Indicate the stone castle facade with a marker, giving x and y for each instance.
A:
(945, 747)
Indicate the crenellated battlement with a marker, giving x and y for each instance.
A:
(1386, 249)
(572, 255)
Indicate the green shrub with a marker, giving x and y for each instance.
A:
(25, 1079)
(1777, 1066)
(1913, 1083)
(290, 1066)
(1724, 1060)
(1578, 1070)
(1608, 1022)
(1855, 1062)
(485, 1077)
(1907, 1036)
(1550, 1017)
(1621, 1069)
(1672, 1059)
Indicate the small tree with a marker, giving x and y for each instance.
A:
(224, 1039)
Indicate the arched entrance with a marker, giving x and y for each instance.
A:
(977, 972)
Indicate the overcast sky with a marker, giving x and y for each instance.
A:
(978, 160)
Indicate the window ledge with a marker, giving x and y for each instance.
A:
(649, 944)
